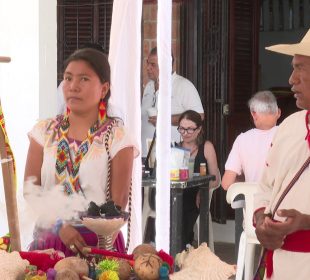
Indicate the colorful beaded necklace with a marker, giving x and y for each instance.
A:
(67, 170)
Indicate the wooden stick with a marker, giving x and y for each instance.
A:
(106, 253)
(10, 194)
(9, 187)
(5, 59)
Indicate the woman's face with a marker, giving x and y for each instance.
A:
(188, 130)
(82, 87)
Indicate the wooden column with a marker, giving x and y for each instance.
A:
(7, 164)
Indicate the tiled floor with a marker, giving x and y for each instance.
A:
(226, 252)
(223, 245)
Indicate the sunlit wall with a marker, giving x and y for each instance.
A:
(28, 33)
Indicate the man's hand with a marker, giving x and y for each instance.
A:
(271, 234)
(293, 220)
(153, 120)
(268, 233)
(71, 238)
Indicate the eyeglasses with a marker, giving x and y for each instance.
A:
(189, 130)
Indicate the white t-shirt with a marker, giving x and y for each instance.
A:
(184, 96)
(249, 153)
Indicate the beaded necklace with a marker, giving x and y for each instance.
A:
(67, 170)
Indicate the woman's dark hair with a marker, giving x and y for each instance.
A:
(95, 46)
(196, 118)
(97, 60)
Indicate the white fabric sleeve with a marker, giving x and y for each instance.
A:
(39, 131)
(233, 162)
(120, 139)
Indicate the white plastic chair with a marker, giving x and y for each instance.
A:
(248, 238)
(211, 238)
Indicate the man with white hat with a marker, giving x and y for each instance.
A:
(282, 215)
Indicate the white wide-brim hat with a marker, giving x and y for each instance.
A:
(302, 48)
(5, 59)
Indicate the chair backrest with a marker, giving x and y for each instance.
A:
(213, 189)
(248, 190)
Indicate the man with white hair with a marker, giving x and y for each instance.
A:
(282, 215)
(244, 157)
(248, 154)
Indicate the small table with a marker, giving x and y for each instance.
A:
(176, 208)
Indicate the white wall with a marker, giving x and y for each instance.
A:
(28, 83)
(47, 58)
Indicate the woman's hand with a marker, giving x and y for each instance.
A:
(210, 156)
(71, 238)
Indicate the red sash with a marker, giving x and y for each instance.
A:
(295, 242)
(298, 241)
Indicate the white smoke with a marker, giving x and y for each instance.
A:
(41, 207)
(50, 204)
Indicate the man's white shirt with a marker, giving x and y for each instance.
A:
(184, 96)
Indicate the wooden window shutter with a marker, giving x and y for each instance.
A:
(80, 22)
(243, 63)
(105, 20)
(243, 53)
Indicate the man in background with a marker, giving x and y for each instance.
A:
(249, 152)
(184, 96)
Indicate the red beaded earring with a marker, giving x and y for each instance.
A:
(67, 111)
(102, 110)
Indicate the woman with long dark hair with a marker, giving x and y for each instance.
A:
(82, 151)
